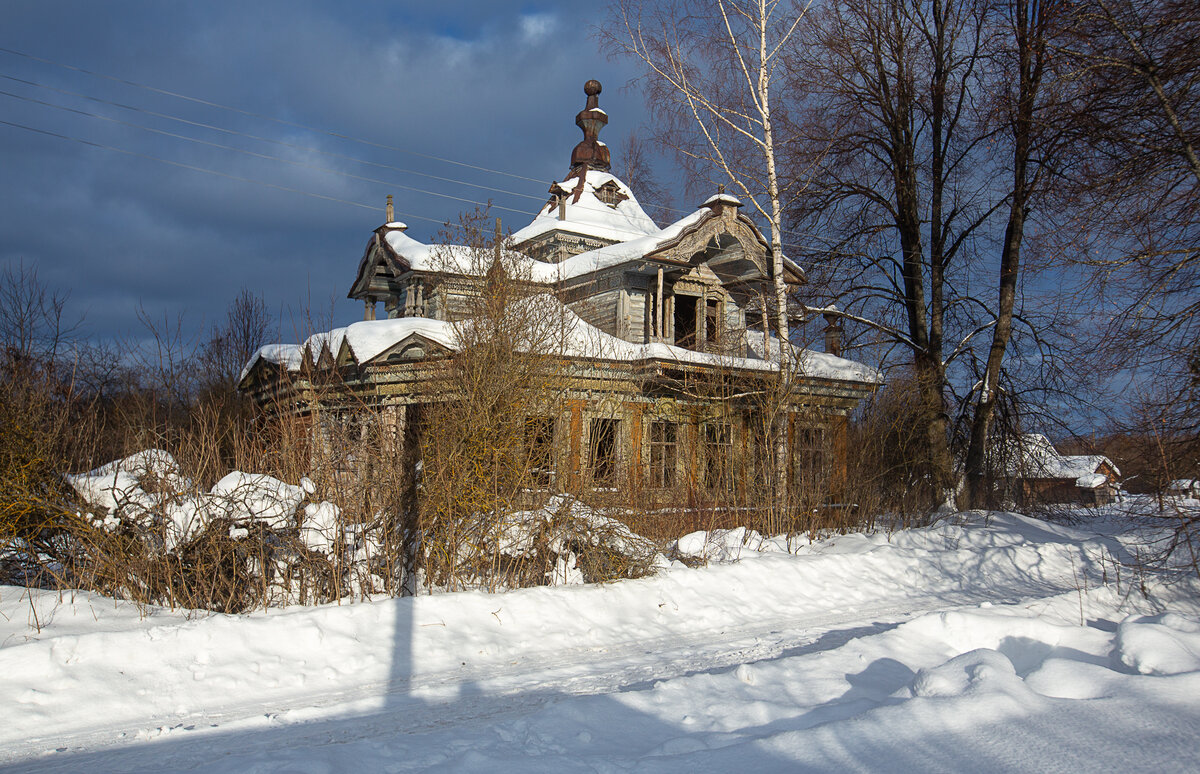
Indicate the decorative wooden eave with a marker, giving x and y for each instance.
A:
(345, 355)
(378, 250)
(324, 359)
(414, 347)
(705, 235)
(261, 374)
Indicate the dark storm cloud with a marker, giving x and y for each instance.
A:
(489, 84)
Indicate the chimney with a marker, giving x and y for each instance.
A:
(391, 211)
(833, 332)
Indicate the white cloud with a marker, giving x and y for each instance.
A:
(537, 26)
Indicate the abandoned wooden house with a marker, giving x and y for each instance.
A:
(1036, 474)
(651, 319)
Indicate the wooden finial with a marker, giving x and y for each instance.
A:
(391, 211)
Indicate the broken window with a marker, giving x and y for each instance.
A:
(713, 322)
(603, 447)
(685, 321)
(662, 454)
(610, 193)
(718, 456)
(539, 445)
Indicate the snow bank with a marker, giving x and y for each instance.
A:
(1165, 644)
(987, 645)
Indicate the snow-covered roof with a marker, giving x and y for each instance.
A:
(370, 338)
(1036, 457)
(569, 335)
(624, 252)
(286, 355)
(589, 216)
(466, 260)
(461, 259)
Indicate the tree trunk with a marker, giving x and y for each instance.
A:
(1029, 20)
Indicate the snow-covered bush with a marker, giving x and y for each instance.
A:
(251, 540)
(144, 531)
(566, 542)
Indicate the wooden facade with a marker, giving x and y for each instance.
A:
(669, 353)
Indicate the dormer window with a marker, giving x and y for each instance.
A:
(611, 194)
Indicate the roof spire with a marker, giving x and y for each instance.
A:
(591, 152)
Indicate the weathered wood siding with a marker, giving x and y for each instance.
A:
(599, 310)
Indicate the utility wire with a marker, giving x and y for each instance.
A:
(195, 168)
(306, 127)
(282, 121)
(262, 116)
(215, 128)
(255, 154)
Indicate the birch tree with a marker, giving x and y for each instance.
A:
(710, 70)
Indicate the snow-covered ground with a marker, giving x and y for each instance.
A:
(983, 643)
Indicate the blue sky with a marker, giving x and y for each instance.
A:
(488, 84)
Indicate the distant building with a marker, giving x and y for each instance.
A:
(647, 313)
(1184, 487)
(1036, 474)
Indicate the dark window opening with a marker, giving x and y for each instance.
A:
(718, 456)
(712, 321)
(810, 460)
(603, 443)
(662, 454)
(539, 445)
(685, 321)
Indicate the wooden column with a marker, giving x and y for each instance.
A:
(575, 435)
(634, 412)
(658, 306)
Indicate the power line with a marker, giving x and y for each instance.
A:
(263, 116)
(306, 127)
(255, 154)
(195, 168)
(259, 138)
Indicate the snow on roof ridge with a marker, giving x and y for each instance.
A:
(287, 355)
(590, 216)
(722, 197)
(465, 259)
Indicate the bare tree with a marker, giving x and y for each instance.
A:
(487, 416)
(32, 322)
(892, 126)
(638, 174)
(247, 327)
(709, 73)
(1136, 115)
(1021, 61)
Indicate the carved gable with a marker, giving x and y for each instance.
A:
(727, 242)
